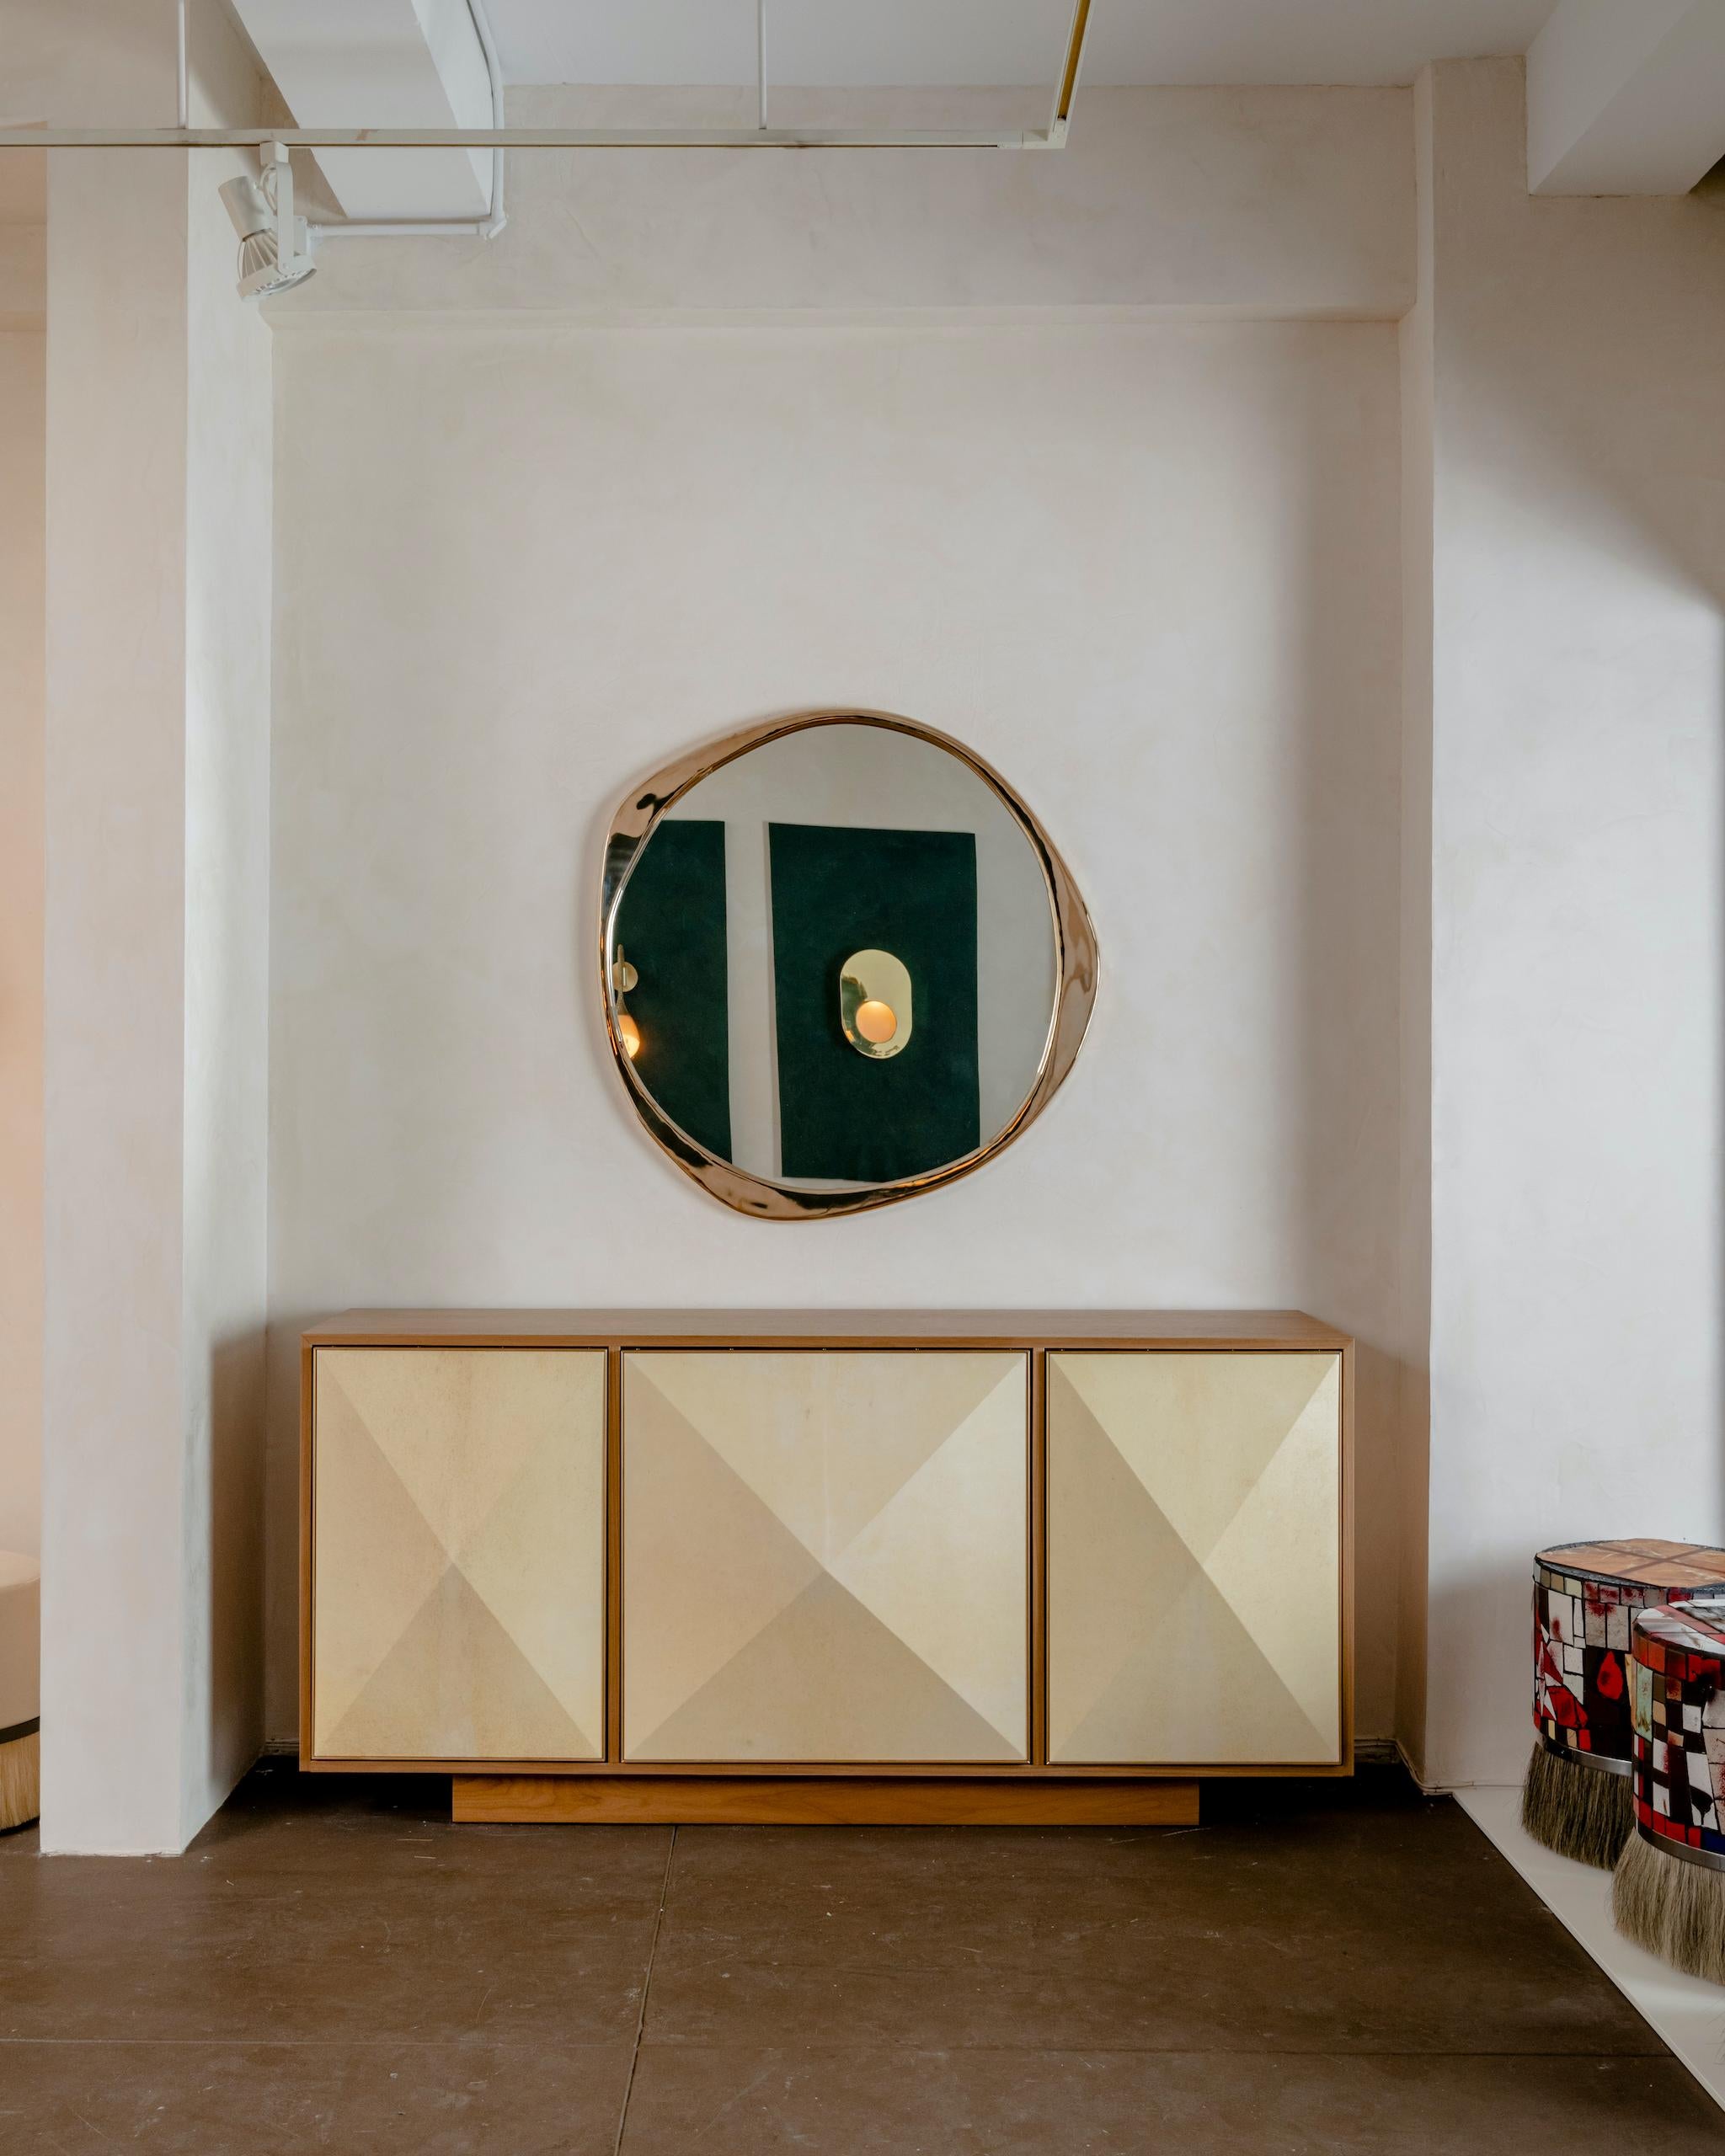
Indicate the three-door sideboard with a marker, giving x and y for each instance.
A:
(1027, 1567)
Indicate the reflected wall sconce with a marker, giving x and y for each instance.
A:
(624, 977)
(874, 1003)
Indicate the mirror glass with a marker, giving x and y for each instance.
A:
(834, 960)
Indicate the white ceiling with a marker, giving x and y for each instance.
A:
(906, 42)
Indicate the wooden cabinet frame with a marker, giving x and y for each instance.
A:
(506, 1788)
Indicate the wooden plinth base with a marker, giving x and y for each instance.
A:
(809, 1801)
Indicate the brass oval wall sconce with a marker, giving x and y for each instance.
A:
(624, 978)
(858, 968)
(876, 1007)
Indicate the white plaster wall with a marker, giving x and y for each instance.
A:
(23, 449)
(1150, 572)
(1265, 202)
(22, 422)
(1577, 688)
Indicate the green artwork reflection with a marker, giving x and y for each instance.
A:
(672, 926)
(836, 890)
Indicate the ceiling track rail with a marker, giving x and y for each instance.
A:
(759, 137)
(523, 138)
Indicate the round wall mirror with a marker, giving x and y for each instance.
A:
(842, 963)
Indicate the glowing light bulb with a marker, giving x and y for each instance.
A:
(629, 1033)
(876, 1021)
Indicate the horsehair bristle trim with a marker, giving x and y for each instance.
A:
(1671, 1909)
(1575, 1810)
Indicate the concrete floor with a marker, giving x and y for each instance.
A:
(1684, 2012)
(1330, 1968)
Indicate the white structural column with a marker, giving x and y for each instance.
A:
(1625, 97)
(383, 63)
(158, 581)
(1565, 365)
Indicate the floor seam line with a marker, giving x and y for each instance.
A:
(243, 2043)
(1145, 2051)
(703, 2044)
(622, 2122)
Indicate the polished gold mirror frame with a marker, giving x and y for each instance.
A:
(1075, 973)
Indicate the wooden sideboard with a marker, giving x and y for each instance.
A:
(1027, 1565)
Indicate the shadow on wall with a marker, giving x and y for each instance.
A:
(279, 1572)
(231, 1456)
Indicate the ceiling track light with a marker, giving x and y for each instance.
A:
(274, 245)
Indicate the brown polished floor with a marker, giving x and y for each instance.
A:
(334, 1966)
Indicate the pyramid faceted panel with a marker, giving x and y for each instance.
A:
(836, 1678)
(767, 1415)
(1194, 1559)
(716, 1591)
(882, 1498)
(458, 1553)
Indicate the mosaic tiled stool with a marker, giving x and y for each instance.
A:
(1586, 1595)
(1668, 1895)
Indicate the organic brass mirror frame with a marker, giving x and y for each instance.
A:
(1075, 973)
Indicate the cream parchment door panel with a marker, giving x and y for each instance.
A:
(458, 1546)
(825, 1555)
(1194, 1554)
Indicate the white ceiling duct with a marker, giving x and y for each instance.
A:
(366, 64)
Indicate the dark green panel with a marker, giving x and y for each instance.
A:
(671, 925)
(914, 893)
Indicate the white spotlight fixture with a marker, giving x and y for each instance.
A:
(274, 246)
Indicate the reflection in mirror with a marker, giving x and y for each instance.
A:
(834, 960)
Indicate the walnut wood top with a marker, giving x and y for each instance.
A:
(1241, 1330)
(1645, 1563)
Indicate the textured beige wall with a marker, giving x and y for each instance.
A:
(1278, 202)
(23, 424)
(1151, 572)
(1577, 699)
(1026, 446)
(669, 531)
